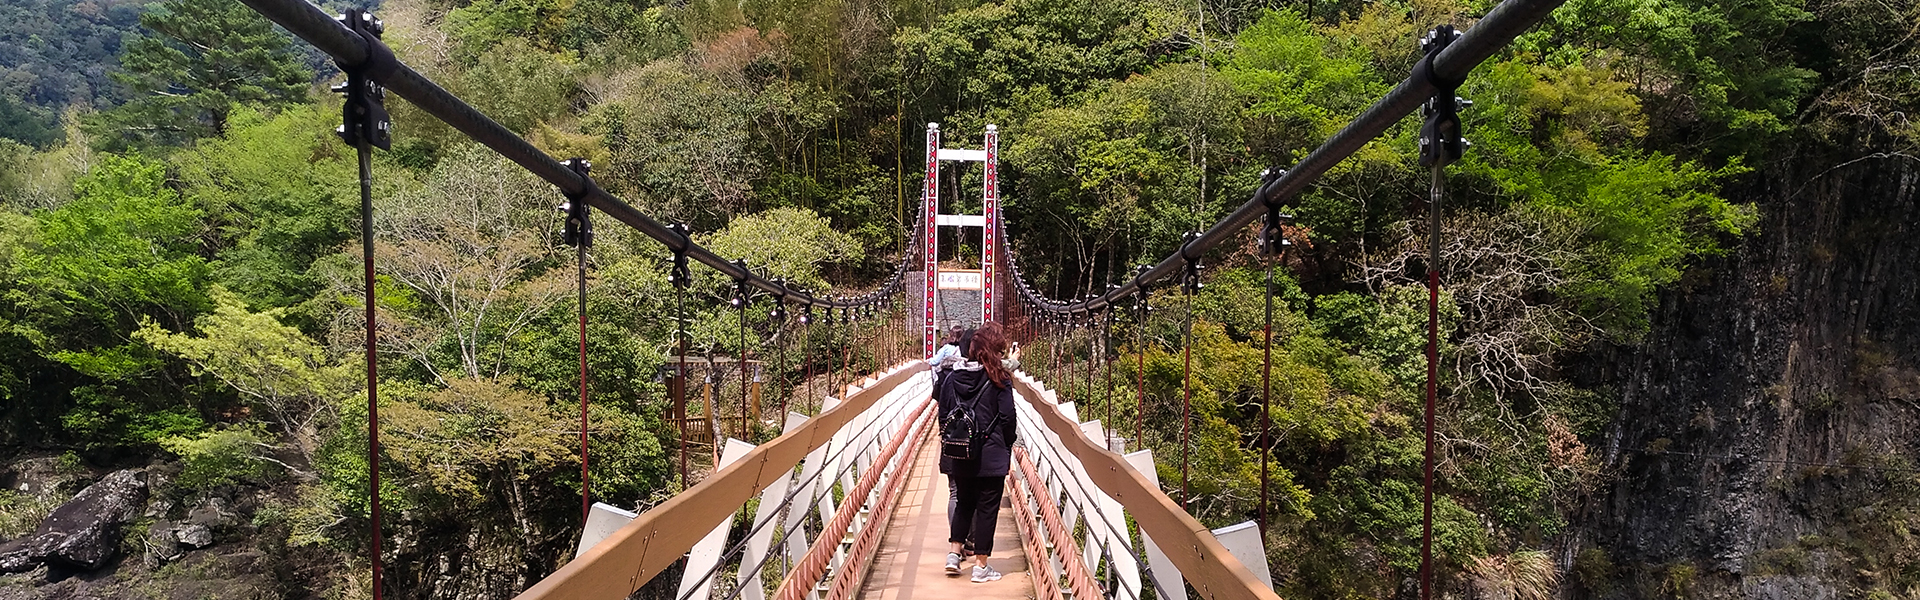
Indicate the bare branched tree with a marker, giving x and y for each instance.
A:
(473, 247)
(1503, 272)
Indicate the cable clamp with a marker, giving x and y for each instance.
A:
(680, 276)
(1145, 290)
(779, 312)
(741, 291)
(579, 228)
(1440, 137)
(363, 117)
(1190, 280)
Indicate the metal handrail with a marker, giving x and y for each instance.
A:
(815, 563)
(1125, 538)
(657, 539)
(787, 501)
(1215, 572)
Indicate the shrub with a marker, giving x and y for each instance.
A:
(220, 457)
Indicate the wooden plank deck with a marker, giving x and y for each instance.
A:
(913, 553)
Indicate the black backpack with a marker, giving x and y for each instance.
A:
(962, 432)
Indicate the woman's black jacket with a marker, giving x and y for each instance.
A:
(962, 385)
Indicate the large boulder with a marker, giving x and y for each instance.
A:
(85, 532)
(17, 557)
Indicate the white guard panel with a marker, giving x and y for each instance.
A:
(602, 521)
(809, 470)
(1243, 540)
(706, 553)
(1167, 576)
(769, 509)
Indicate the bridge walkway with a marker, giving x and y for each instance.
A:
(912, 554)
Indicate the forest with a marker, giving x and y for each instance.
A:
(180, 264)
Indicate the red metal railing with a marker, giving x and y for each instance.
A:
(1074, 568)
(814, 565)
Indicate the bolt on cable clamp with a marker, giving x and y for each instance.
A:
(1440, 136)
(680, 276)
(579, 228)
(363, 116)
(1190, 280)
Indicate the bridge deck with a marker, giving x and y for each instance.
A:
(914, 549)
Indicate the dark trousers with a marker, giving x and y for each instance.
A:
(977, 511)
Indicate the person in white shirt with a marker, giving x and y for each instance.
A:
(949, 348)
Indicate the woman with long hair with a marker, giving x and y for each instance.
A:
(983, 387)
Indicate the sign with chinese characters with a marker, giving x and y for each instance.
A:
(961, 280)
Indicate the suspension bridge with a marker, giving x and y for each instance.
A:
(846, 502)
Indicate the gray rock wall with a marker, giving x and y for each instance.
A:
(1770, 425)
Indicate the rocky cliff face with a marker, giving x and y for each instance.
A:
(1768, 440)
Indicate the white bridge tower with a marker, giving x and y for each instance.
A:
(967, 279)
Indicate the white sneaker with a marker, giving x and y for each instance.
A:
(983, 574)
(953, 564)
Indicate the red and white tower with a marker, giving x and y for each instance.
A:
(989, 222)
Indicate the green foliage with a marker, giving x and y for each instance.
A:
(520, 86)
(21, 513)
(122, 251)
(279, 191)
(1594, 570)
(203, 57)
(60, 53)
(679, 141)
(1560, 139)
(1726, 66)
(221, 457)
(275, 368)
(453, 438)
(26, 124)
(1304, 87)
(788, 243)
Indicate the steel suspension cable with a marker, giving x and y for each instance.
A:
(586, 495)
(1106, 347)
(680, 277)
(1272, 245)
(365, 151)
(1440, 144)
(1266, 400)
(1088, 390)
(1433, 375)
(746, 423)
(806, 355)
(1186, 406)
(774, 375)
(1140, 374)
(578, 232)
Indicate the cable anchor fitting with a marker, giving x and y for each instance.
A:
(1273, 238)
(579, 228)
(742, 292)
(1440, 137)
(363, 117)
(1190, 280)
(779, 312)
(680, 276)
(1145, 292)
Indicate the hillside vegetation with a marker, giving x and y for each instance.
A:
(180, 271)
